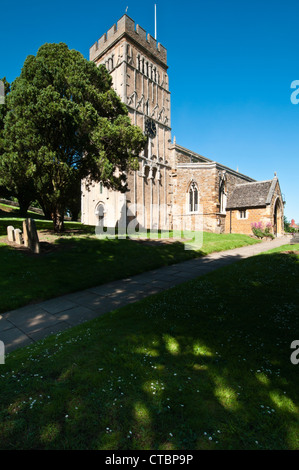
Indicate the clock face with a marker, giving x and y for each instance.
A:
(150, 128)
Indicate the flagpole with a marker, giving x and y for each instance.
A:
(155, 21)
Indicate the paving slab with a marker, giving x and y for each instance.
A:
(58, 305)
(50, 330)
(77, 315)
(90, 300)
(20, 316)
(14, 339)
(5, 325)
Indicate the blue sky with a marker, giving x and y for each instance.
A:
(231, 65)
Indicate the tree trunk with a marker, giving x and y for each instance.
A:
(58, 221)
(75, 215)
(46, 211)
(24, 205)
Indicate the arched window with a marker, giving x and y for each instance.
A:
(109, 64)
(146, 110)
(158, 78)
(193, 197)
(154, 74)
(150, 70)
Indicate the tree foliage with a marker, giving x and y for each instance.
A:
(4, 191)
(64, 122)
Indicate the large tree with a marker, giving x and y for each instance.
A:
(4, 87)
(65, 122)
(14, 178)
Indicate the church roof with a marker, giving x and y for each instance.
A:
(255, 194)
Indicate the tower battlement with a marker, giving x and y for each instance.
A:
(125, 27)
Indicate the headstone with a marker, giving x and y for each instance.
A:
(11, 233)
(18, 237)
(295, 239)
(30, 235)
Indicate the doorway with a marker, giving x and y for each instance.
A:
(277, 218)
(100, 213)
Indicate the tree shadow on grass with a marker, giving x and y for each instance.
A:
(77, 264)
(195, 367)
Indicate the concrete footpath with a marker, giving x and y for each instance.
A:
(34, 322)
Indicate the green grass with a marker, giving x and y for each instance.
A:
(41, 224)
(205, 365)
(13, 211)
(80, 262)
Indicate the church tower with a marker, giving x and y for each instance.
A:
(138, 66)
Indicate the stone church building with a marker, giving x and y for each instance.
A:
(174, 186)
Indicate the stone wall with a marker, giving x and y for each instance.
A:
(277, 199)
(138, 67)
(126, 27)
(205, 180)
(235, 224)
(231, 179)
(207, 175)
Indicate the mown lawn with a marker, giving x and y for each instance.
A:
(12, 211)
(205, 365)
(78, 260)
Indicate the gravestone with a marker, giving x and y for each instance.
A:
(30, 235)
(295, 239)
(11, 233)
(18, 237)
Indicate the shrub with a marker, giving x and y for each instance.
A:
(260, 231)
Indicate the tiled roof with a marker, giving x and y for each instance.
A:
(254, 194)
